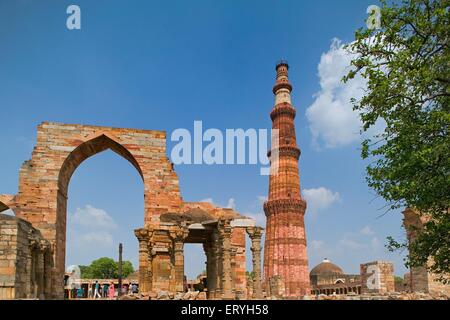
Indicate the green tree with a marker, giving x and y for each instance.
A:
(127, 268)
(105, 268)
(407, 67)
(85, 272)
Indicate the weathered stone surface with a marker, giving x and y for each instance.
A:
(201, 296)
(22, 262)
(178, 296)
(163, 295)
(420, 279)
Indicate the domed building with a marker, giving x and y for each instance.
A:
(328, 278)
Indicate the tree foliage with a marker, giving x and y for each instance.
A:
(106, 268)
(407, 67)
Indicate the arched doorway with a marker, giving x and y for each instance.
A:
(71, 163)
(105, 205)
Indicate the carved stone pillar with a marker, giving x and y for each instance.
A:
(225, 239)
(233, 253)
(178, 237)
(208, 248)
(214, 284)
(34, 267)
(40, 250)
(145, 275)
(255, 234)
(48, 265)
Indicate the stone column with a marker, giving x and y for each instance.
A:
(48, 264)
(213, 286)
(178, 237)
(210, 268)
(40, 272)
(233, 252)
(179, 266)
(145, 277)
(255, 234)
(34, 253)
(225, 239)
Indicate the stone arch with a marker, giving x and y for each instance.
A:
(81, 153)
(88, 149)
(60, 149)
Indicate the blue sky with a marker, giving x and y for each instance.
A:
(162, 65)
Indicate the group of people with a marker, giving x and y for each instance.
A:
(98, 290)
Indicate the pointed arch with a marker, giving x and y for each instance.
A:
(73, 160)
(88, 149)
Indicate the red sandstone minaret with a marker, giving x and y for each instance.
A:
(285, 243)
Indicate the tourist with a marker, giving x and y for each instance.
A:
(97, 289)
(111, 291)
(90, 290)
(105, 291)
(80, 293)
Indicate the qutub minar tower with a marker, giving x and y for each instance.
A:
(285, 243)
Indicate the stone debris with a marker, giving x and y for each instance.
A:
(163, 295)
(197, 295)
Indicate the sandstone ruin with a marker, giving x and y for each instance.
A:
(33, 243)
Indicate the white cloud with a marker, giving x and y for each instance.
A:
(375, 243)
(367, 231)
(231, 203)
(331, 118)
(262, 199)
(260, 218)
(320, 198)
(316, 244)
(352, 244)
(95, 239)
(93, 218)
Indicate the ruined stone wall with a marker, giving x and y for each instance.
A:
(238, 261)
(42, 201)
(17, 279)
(60, 149)
(419, 279)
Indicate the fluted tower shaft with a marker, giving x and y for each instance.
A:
(285, 252)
